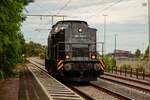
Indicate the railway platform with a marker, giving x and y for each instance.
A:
(33, 83)
(9, 89)
(21, 87)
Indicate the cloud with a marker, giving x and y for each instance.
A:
(125, 18)
(92, 10)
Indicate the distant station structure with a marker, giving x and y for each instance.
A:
(122, 54)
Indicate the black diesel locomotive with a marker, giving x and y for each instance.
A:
(72, 52)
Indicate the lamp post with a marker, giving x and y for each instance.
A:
(148, 9)
(149, 26)
(115, 45)
(105, 33)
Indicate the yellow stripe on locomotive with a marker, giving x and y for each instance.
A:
(60, 64)
(102, 64)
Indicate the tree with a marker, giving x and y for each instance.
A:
(28, 1)
(137, 53)
(34, 49)
(146, 54)
(11, 39)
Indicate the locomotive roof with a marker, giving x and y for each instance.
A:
(79, 21)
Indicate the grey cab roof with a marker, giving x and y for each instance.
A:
(78, 21)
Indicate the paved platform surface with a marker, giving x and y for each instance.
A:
(29, 89)
(22, 87)
(9, 89)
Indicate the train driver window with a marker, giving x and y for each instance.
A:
(60, 27)
(63, 26)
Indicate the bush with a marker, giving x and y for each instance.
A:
(7, 71)
(42, 56)
(125, 66)
(140, 68)
(1, 74)
(110, 62)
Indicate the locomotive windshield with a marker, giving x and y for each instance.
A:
(60, 27)
(63, 26)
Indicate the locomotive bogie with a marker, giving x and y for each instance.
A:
(86, 71)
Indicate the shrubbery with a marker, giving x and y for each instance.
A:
(110, 62)
(11, 40)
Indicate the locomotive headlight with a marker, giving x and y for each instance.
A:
(56, 29)
(96, 67)
(80, 30)
(67, 57)
(93, 57)
(68, 67)
(67, 54)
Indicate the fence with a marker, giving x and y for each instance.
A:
(134, 64)
(131, 72)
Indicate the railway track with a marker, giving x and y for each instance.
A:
(94, 92)
(119, 87)
(144, 82)
(53, 88)
(113, 93)
(139, 85)
(83, 90)
(105, 89)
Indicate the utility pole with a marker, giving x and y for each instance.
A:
(115, 45)
(102, 46)
(52, 19)
(149, 26)
(40, 15)
(105, 33)
(102, 49)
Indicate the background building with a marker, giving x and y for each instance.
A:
(122, 55)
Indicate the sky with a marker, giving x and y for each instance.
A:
(127, 19)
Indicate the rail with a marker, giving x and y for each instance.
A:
(53, 88)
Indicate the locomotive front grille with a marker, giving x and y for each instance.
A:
(82, 66)
(80, 52)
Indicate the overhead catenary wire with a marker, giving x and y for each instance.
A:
(106, 8)
(58, 3)
(41, 7)
(66, 4)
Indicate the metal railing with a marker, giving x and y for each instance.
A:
(138, 73)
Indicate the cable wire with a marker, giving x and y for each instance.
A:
(106, 8)
(66, 4)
